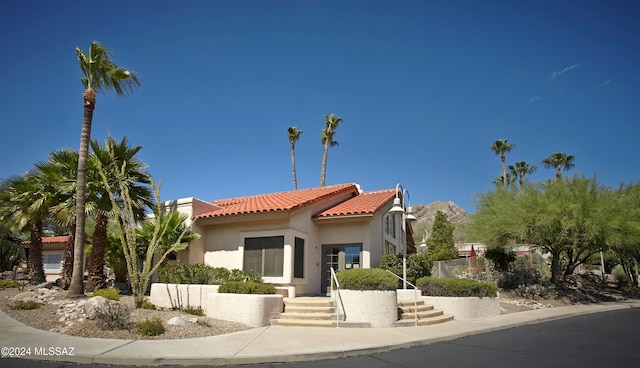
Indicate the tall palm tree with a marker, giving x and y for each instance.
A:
(331, 124)
(26, 202)
(501, 147)
(100, 74)
(114, 156)
(294, 136)
(520, 170)
(559, 161)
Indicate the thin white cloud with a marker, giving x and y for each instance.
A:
(569, 68)
(534, 99)
(606, 83)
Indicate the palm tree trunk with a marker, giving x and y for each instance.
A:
(76, 288)
(36, 269)
(558, 174)
(67, 266)
(323, 171)
(504, 169)
(97, 278)
(293, 166)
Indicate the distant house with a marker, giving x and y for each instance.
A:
(52, 255)
(294, 238)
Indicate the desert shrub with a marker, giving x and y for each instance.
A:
(108, 293)
(367, 279)
(455, 287)
(184, 274)
(501, 258)
(522, 274)
(203, 275)
(146, 304)
(6, 284)
(250, 287)
(536, 291)
(620, 276)
(150, 327)
(25, 305)
(196, 311)
(113, 316)
(240, 275)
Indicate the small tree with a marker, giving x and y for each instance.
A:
(125, 214)
(440, 243)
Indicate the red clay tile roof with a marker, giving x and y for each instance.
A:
(273, 202)
(50, 240)
(365, 204)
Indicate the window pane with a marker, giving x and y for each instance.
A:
(52, 261)
(273, 256)
(298, 259)
(253, 255)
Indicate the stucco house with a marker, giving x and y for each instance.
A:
(52, 255)
(294, 238)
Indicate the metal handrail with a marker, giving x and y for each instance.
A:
(334, 279)
(415, 297)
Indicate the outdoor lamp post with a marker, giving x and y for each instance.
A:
(399, 207)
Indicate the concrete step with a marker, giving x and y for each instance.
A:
(410, 303)
(424, 322)
(309, 309)
(421, 314)
(307, 315)
(412, 308)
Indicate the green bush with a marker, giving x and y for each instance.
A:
(185, 274)
(146, 304)
(113, 316)
(240, 275)
(6, 284)
(25, 305)
(196, 311)
(203, 275)
(150, 327)
(620, 276)
(108, 293)
(367, 279)
(250, 287)
(455, 287)
(522, 274)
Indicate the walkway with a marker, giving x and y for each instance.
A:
(268, 344)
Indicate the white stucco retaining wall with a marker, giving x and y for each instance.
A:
(252, 310)
(467, 307)
(181, 295)
(379, 308)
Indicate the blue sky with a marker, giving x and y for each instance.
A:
(424, 88)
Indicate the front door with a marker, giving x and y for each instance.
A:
(339, 257)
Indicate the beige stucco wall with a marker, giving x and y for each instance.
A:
(222, 240)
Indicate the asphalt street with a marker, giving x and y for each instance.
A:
(607, 339)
